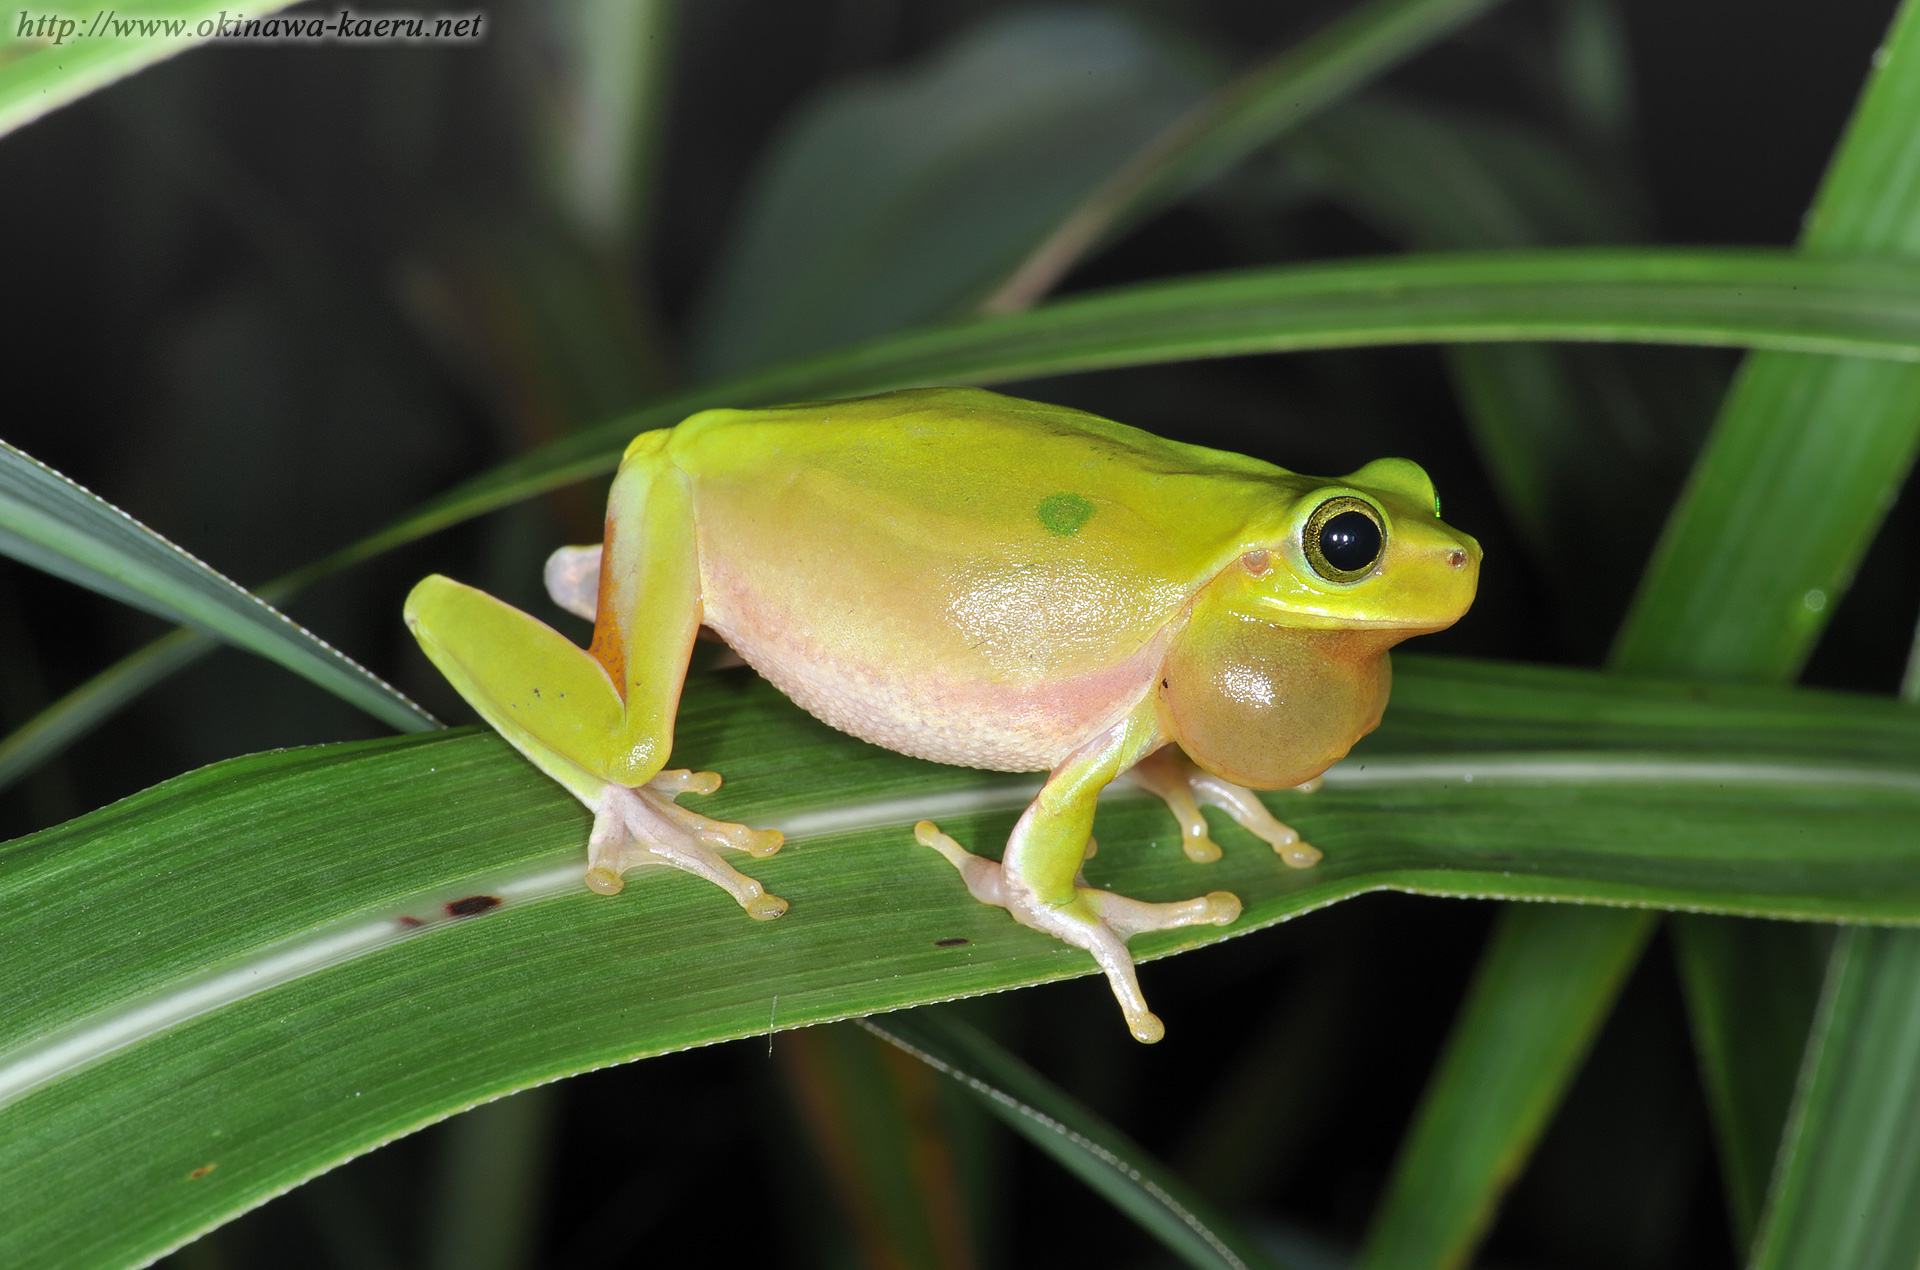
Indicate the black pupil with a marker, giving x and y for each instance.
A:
(1350, 542)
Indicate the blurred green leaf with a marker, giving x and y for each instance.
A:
(60, 51)
(218, 988)
(1595, 67)
(602, 112)
(899, 200)
(876, 1120)
(1231, 123)
(1082, 1142)
(1440, 180)
(1543, 988)
(492, 1173)
(546, 312)
(1762, 298)
(51, 523)
(996, 166)
(1847, 1192)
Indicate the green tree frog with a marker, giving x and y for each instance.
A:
(978, 580)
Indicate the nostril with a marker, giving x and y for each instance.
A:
(1457, 558)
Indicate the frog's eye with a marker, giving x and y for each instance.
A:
(1343, 539)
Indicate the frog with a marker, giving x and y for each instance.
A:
(980, 580)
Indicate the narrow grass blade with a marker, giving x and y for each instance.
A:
(1080, 1141)
(1808, 452)
(1231, 123)
(876, 1120)
(1682, 297)
(1822, 445)
(50, 523)
(318, 970)
(59, 52)
(493, 1171)
(65, 721)
(1758, 298)
(1544, 987)
(1848, 1188)
(1751, 989)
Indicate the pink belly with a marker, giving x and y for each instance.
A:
(915, 704)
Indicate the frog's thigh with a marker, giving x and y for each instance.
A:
(1184, 787)
(1038, 880)
(648, 611)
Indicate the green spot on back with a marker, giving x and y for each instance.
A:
(1063, 514)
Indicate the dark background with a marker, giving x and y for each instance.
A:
(206, 271)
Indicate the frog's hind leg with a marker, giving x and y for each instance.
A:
(1184, 788)
(600, 720)
(1039, 880)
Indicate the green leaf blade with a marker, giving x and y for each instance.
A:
(1738, 298)
(268, 1010)
(1751, 988)
(51, 523)
(40, 74)
(1850, 1163)
(1830, 439)
(1820, 446)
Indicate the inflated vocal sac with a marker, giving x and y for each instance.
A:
(1267, 705)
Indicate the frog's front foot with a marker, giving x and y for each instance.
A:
(1098, 921)
(634, 826)
(1183, 787)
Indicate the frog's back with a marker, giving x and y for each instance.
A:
(956, 574)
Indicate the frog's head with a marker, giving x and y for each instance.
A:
(1282, 663)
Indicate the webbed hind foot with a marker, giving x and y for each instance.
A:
(634, 826)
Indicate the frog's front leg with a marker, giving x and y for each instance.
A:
(600, 721)
(1038, 879)
(1174, 778)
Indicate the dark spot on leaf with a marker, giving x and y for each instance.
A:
(955, 942)
(202, 1171)
(536, 692)
(404, 920)
(471, 905)
(1063, 514)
